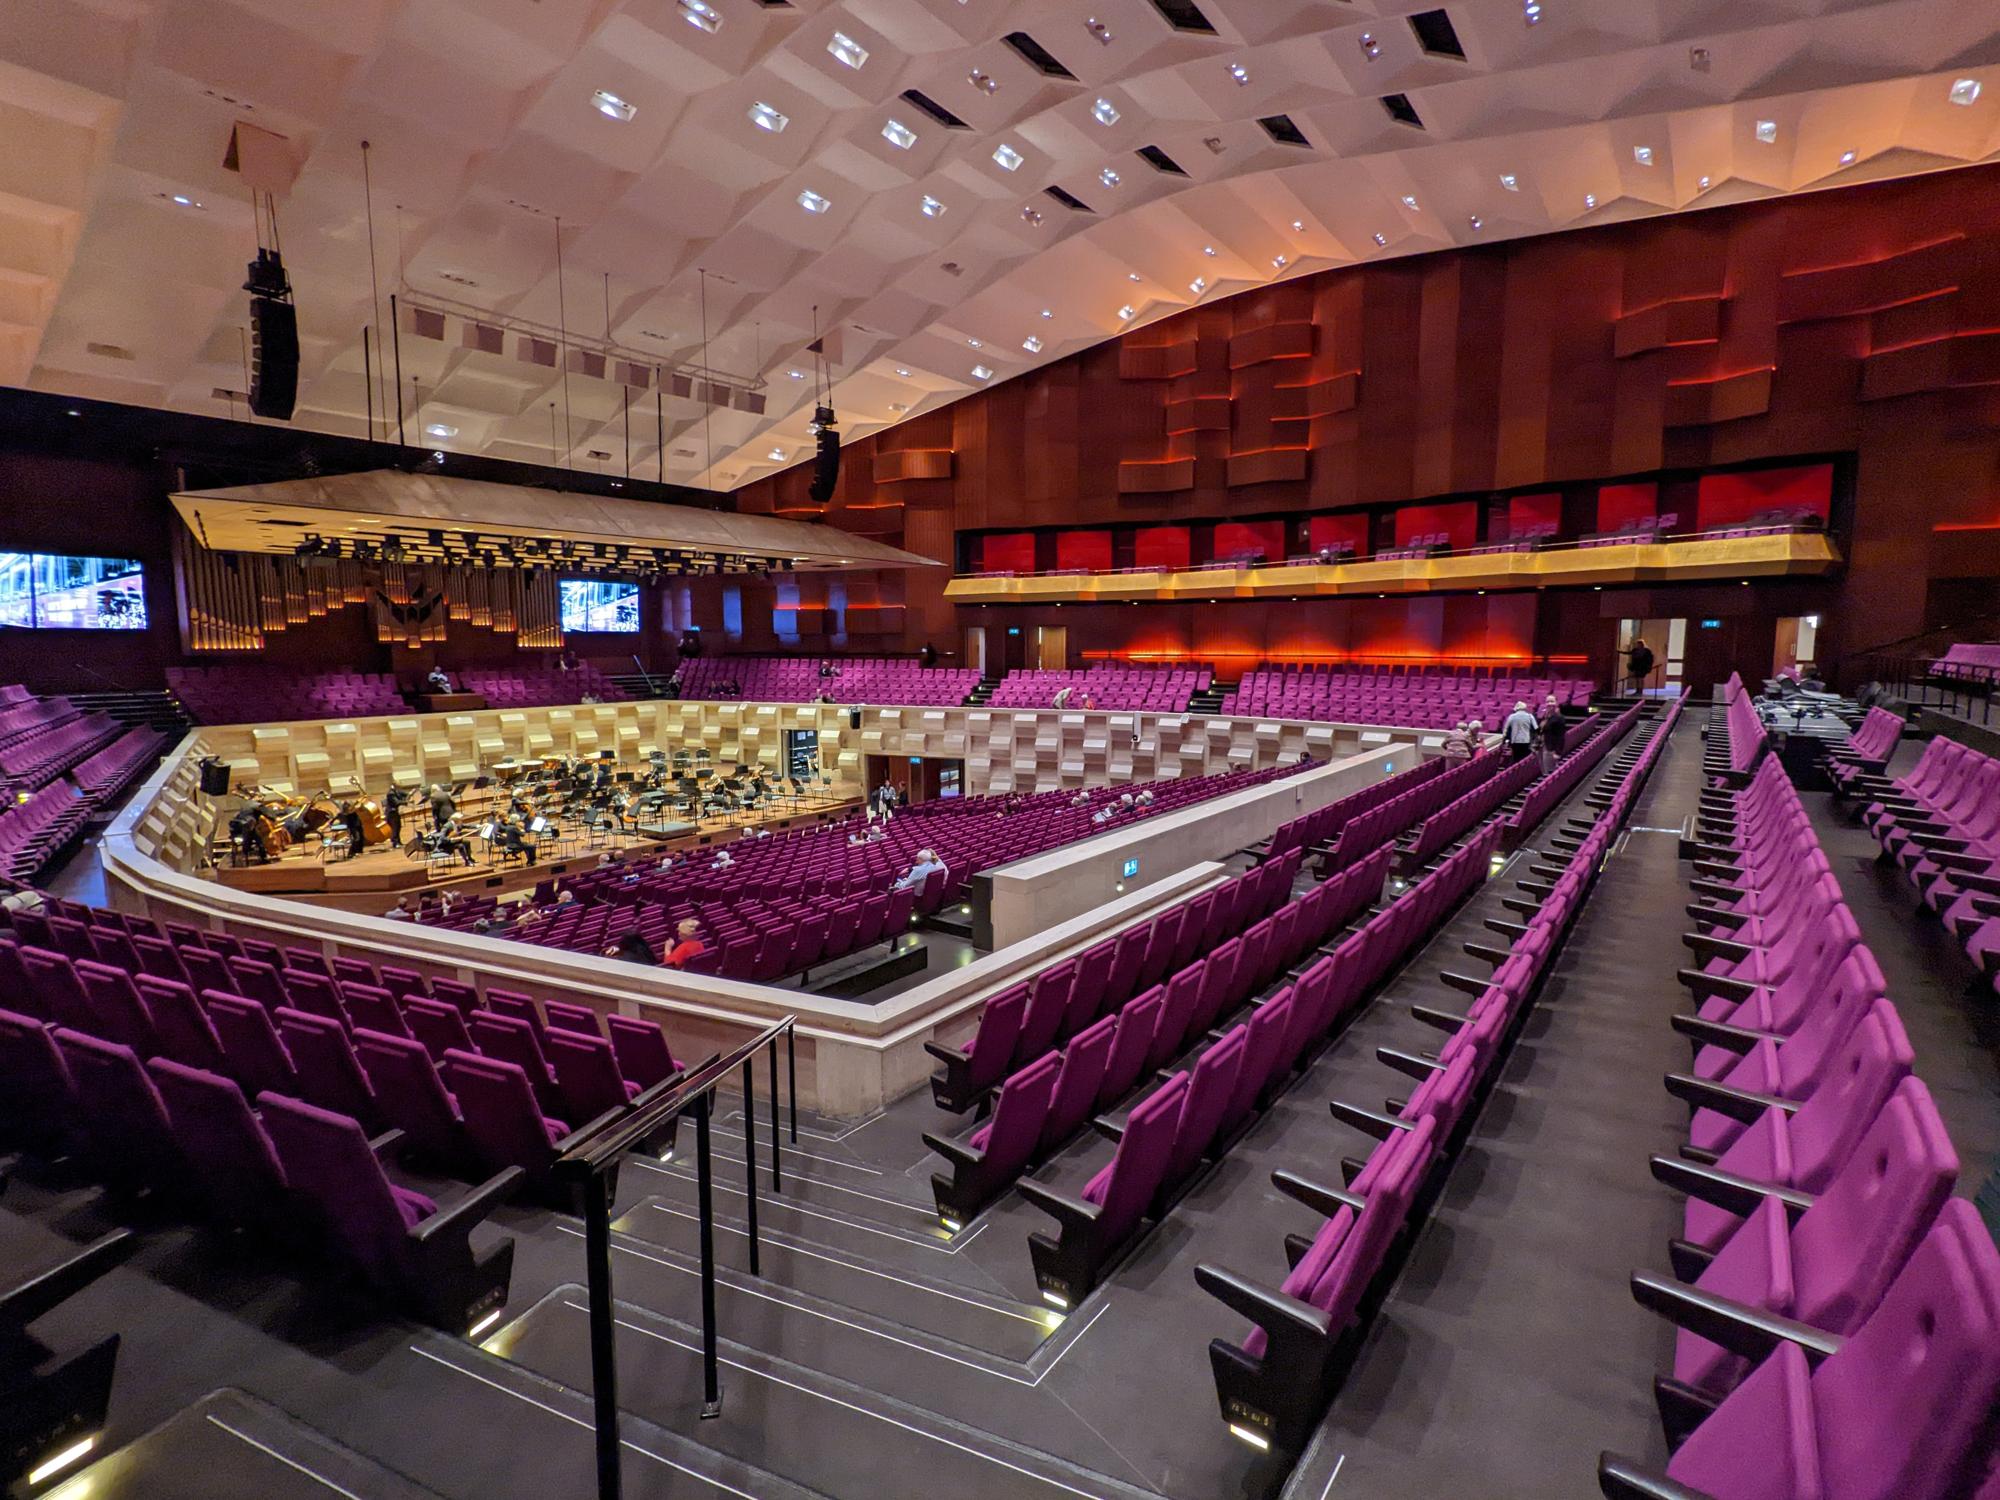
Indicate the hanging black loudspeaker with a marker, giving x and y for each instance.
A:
(826, 457)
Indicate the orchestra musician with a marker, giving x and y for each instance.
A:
(443, 809)
(392, 809)
(349, 818)
(508, 836)
(448, 838)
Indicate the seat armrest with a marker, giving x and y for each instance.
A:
(27, 1300)
(1368, 1121)
(956, 1152)
(1068, 1212)
(1739, 1104)
(458, 1216)
(1111, 1127)
(1409, 1063)
(1324, 1201)
(1958, 863)
(1705, 985)
(1707, 946)
(1272, 1311)
(386, 1142)
(1725, 1190)
(1967, 880)
(1940, 843)
(949, 1056)
(1736, 1326)
(1625, 1479)
(1721, 1034)
(1443, 1020)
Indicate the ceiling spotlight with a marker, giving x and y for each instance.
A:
(899, 135)
(1127, 313)
(1475, 221)
(1590, 200)
(1767, 131)
(1105, 111)
(1409, 203)
(796, 374)
(764, 117)
(1702, 183)
(612, 107)
(1510, 182)
(1698, 59)
(1643, 155)
(441, 430)
(701, 15)
(1099, 30)
(1370, 48)
(981, 372)
(1531, 12)
(1209, 251)
(1109, 178)
(777, 455)
(1032, 214)
(1198, 285)
(931, 207)
(1847, 158)
(986, 83)
(976, 343)
(898, 406)
(1048, 312)
(1032, 344)
(1381, 239)
(182, 200)
(1279, 262)
(812, 202)
(1240, 73)
(1009, 159)
(847, 50)
(1299, 226)
(1965, 91)
(902, 372)
(1133, 276)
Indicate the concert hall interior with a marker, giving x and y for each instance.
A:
(1021, 749)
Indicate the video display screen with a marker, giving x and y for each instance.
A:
(48, 591)
(597, 604)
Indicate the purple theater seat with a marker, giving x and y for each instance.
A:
(1048, 1004)
(520, 1008)
(513, 1040)
(316, 994)
(983, 1165)
(641, 1049)
(58, 993)
(329, 1074)
(587, 1076)
(566, 1017)
(402, 982)
(456, 993)
(373, 1007)
(256, 980)
(398, 1240)
(42, 1101)
(126, 1134)
(1078, 1083)
(504, 1124)
(236, 1168)
(437, 1026)
(117, 1012)
(411, 1096)
(252, 1054)
(1211, 1087)
(160, 958)
(182, 1026)
(1138, 1023)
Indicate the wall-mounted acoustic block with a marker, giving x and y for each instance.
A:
(1319, 398)
(1689, 320)
(1267, 466)
(912, 463)
(1872, 284)
(1157, 361)
(1156, 477)
(1199, 414)
(1965, 359)
(1724, 398)
(1273, 341)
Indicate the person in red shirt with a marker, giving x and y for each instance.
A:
(687, 945)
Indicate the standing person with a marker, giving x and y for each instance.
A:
(1555, 728)
(392, 809)
(1518, 732)
(1061, 699)
(1458, 743)
(1639, 663)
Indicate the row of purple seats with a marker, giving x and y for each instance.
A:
(101, 777)
(1867, 753)
(44, 757)
(1838, 1311)
(1310, 830)
(1527, 539)
(1427, 545)
(1373, 827)
(1941, 826)
(1444, 827)
(24, 717)
(1640, 529)
(1968, 661)
(34, 831)
(1770, 522)
(541, 688)
(1022, 1023)
(1737, 736)
(1273, 1384)
(226, 694)
(1169, 1133)
(879, 680)
(1042, 1105)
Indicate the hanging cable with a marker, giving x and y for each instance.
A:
(707, 381)
(562, 322)
(374, 280)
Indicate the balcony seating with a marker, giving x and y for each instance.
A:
(883, 681)
(1975, 662)
(1104, 686)
(1417, 698)
(241, 691)
(523, 688)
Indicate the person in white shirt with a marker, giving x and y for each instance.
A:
(914, 878)
(1519, 731)
(723, 860)
(1061, 699)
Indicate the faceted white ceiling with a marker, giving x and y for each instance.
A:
(939, 252)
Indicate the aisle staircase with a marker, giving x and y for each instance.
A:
(156, 708)
(981, 694)
(1209, 699)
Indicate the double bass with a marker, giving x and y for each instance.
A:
(374, 827)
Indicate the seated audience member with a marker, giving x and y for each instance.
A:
(529, 915)
(914, 878)
(1081, 799)
(402, 911)
(1144, 799)
(687, 944)
(438, 681)
(633, 948)
(723, 860)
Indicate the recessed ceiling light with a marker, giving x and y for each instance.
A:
(796, 374)
(1531, 12)
(812, 202)
(1409, 203)
(1127, 313)
(765, 117)
(1643, 155)
(981, 372)
(1209, 251)
(1198, 285)
(1032, 344)
(1299, 226)
(897, 406)
(1279, 262)
(975, 343)
(1032, 214)
(1109, 178)
(1240, 73)
(847, 49)
(1370, 48)
(612, 107)
(1510, 182)
(897, 134)
(1702, 183)
(778, 454)
(1847, 158)
(1767, 131)
(902, 372)
(182, 200)
(1965, 91)
(1381, 238)
(931, 207)
(1475, 221)
(1105, 111)
(1590, 200)
(1099, 30)
(699, 13)
(441, 430)
(986, 83)
(1698, 59)
(1008, 158)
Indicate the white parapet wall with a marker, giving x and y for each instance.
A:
(853, 1056)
